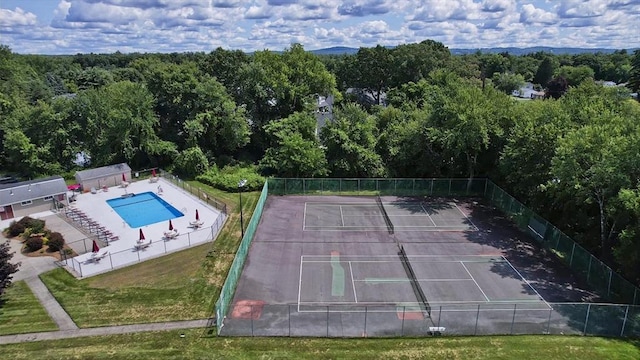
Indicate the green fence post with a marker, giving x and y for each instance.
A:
(573, 249)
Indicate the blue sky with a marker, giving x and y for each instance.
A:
(105, 26)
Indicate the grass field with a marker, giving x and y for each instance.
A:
(169, 345)
(21, 312)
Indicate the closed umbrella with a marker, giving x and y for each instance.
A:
(96, 248)
(153, 172)
(141, 236)
(170, 226)
(124, 178)
(197, 215)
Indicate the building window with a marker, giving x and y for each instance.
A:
(25, 203)
(50, 197)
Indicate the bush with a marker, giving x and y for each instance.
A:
(228, 178)
(36, 225)
(56, 241)
(16, 228)
(34, 243)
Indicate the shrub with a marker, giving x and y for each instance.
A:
(56, 241)
(36, 225)
(34, 244)
(16, 228)
(228, 178)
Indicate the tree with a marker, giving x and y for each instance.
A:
(373, 69)
(593, 163)
(119, 125)
(545, 71)
(7, 269)
(627, 251)
(463, 121)
(350, 142)
(556, 87)
(525, 160)
(412, 62)
(294, 150)
(575, 75)
(634, 76)
(507, 82)
(191, 162)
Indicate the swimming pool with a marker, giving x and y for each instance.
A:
(142, 209)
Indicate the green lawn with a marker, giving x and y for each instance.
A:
(169, 345)
(21, 312)
(179, 286)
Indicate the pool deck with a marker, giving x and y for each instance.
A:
(123, 252)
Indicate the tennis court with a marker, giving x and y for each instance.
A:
(403, 216)
(370, 266)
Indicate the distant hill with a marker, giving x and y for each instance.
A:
(341, 50)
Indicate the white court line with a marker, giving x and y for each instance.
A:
(341, 216)
(465, 215)
(474, 280)
(304, 217)
(353, 283)
(300, 281)
(426, 212)
(527, 282)
(423, 280)
(413, 256)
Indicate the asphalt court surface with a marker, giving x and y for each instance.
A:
(405, 216)
(318, 255)
(357, 280)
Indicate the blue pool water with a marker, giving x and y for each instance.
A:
(143, 209)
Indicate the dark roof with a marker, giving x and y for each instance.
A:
(31, 190)
(102, 172)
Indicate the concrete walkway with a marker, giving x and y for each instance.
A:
(57, 313)
(107, 330)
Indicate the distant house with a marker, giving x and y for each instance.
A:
(528, 92)
(97, 178)
(366, 98)
(33, 196)
(324, 112)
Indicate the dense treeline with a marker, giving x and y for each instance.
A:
(574, 159)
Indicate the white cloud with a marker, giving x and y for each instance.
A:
(202, 25)
(532, 15)
(17, 17)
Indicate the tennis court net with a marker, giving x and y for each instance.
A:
(387, 220)
(414, 281)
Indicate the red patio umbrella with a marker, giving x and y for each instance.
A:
(141, 235)
(197, 215)
(153, 172)
(170, 225)
(124, 178)
(96, 248)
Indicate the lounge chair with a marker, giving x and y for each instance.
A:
(96, 257)
(196, 224)
(142, 245)
(154, 179)
(171, 234)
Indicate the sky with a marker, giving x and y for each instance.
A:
(107, 26)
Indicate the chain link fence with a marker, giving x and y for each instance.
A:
(597, 274)
(229, 287)
(127, 257)
(561, 318)
(393, 321)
